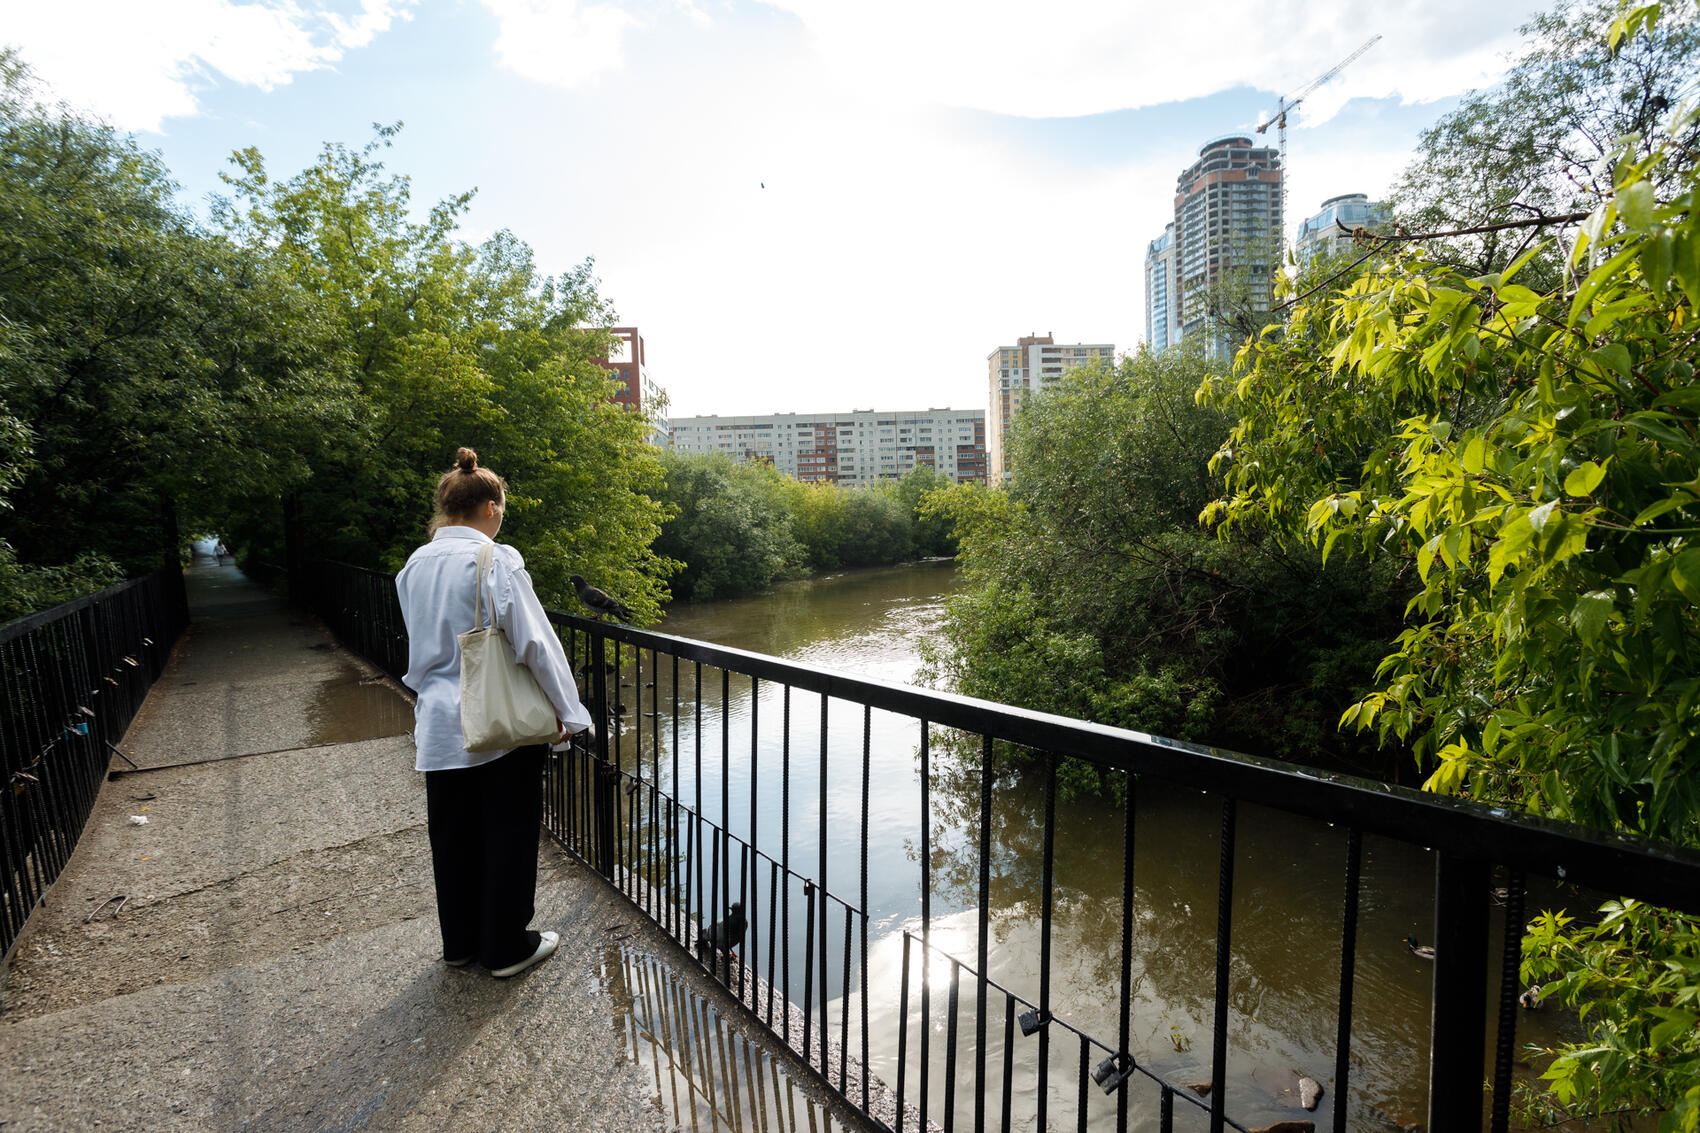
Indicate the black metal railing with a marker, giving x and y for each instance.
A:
(71, 679)
(650, 803)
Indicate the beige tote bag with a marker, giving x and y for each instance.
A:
(501, 706)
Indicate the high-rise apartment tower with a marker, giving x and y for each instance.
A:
(1225, 241)
(1013, 372)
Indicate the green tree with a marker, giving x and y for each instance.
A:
(155, 367)
(729, 526)
(932, 534)
(445, 345)
(1532, 453)
(1089, 589)
(1534, 143)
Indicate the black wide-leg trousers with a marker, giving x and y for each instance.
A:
(483, 825)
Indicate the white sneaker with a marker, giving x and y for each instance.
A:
(546, 945)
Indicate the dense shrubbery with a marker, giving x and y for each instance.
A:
(740, 527)
(314, 346)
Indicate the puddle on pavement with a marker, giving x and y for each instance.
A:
(351, 706)
(707, 1073)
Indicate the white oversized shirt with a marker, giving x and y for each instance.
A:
(436, 589)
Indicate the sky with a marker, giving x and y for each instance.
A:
(803, 205)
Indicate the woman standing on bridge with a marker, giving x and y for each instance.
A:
(483, 808)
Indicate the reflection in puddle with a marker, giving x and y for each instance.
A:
(352, 707)
(708, 1073)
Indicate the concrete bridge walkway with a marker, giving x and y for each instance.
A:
(262, 952)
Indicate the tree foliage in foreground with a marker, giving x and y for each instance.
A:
(447, 344)
(1089, 589)
(146, 368)
(323, 346)
(1533, 453)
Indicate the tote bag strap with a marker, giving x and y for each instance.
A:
(484, 554)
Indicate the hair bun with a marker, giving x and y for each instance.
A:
(466, 460)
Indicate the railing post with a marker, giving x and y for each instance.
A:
(1460, 993)
(605, 774)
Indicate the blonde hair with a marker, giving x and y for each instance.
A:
(463, 488)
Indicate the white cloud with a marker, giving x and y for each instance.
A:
(561, 42)
(140, 64)
(1075, 57)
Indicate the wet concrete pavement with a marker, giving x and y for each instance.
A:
(262, 953)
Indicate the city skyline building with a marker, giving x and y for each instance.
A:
(1162, 328)
(635, 389)
(1320, 235)
(859, 448)
(1227, 233)
(1013, 373)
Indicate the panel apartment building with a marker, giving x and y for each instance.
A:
(1227, 231)
(853, 449)
(1014, 372)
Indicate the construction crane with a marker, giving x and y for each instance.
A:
(1291, 101)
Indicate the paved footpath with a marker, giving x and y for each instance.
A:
(274, 964)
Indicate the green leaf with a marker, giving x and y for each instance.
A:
(1635, 205)
(1583, 480)
(1589, 615)
(1685, 261)
(1685, 574)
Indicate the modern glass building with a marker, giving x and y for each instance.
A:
(1321, 235)
(1162, 329)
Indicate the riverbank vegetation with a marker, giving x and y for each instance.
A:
(737, 528)
(297, 368)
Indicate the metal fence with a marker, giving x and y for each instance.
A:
(667, 803)
(71, 679)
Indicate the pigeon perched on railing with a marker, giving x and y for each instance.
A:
(724, 936)
(600, 601)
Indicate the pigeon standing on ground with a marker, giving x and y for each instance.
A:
(724, 936)
(600, 601)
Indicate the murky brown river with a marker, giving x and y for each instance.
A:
(1289, 882)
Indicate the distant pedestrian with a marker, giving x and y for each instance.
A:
(220, 551)
(483, 809)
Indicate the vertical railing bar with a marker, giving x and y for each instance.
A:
(636, 804)
(809, 976)
(1166, 1111)
(1125, 1021)
(785, 852)
(1224, 931)
(1047, 868)
(772, 926)
(902, 1036)
(1510, 985)
(985, 928)
(676, 867)
(822, 824)
(867, 765)
(751, 885)
(844, 1011)
(950, 1046)
(1008, 1060)
(926, 918)
(659, 868)
(1084, 1077)
(1460, 989)
(1348, 974)
(696, 905)
(725, 865)
(745, 857)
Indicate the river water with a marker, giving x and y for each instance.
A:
(1288, 888)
